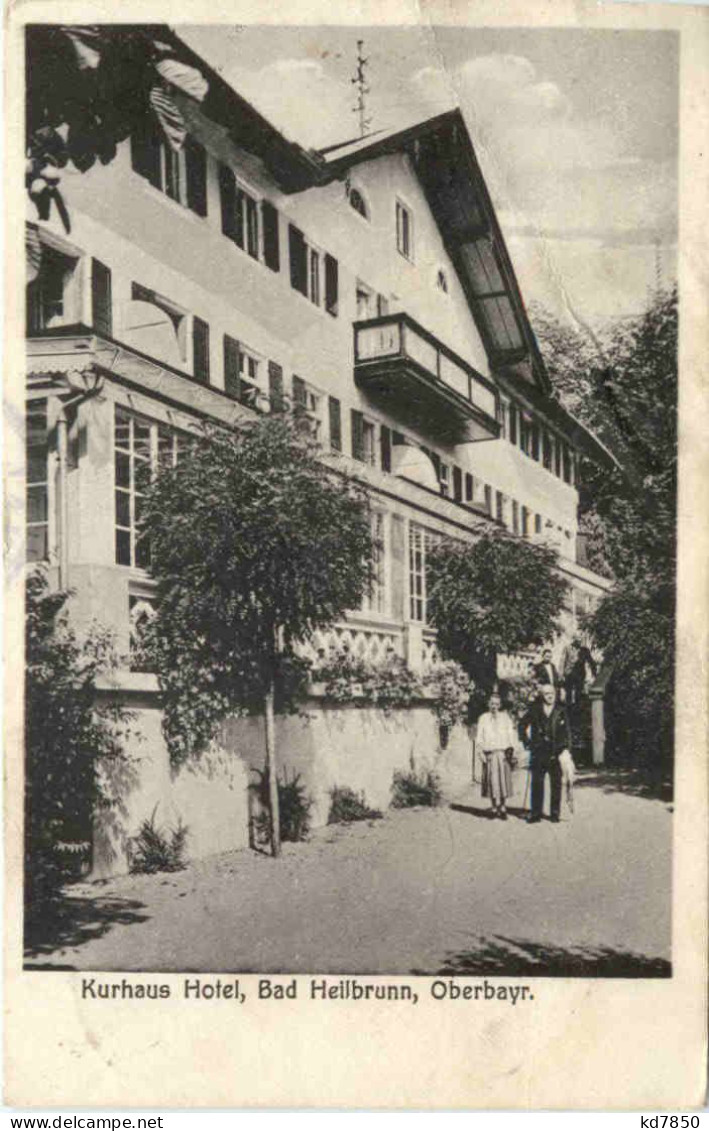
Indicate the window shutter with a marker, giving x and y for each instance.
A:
(385, 447)
(275, 386)
(457, 484)
(232, 383)
(196, 164)
(271, 251)
(469, 488)
(101, 298)
(200, 348)
(513, 424)
(357, 435)
(299, 393)
(331, 285)
(145, 150)
(298, 260)
(335, 424)
(227, 196)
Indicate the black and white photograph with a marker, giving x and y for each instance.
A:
(351, 495)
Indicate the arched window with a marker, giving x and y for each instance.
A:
(442, 281)
(358, 203)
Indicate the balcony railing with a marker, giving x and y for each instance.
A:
(397, 358)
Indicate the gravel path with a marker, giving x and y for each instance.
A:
(420, 891)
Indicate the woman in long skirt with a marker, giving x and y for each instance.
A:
(496, 739)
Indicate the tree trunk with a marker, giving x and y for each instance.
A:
(272, 771)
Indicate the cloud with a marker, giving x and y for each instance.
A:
(301, 98)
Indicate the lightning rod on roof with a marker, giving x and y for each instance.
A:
(360, 83)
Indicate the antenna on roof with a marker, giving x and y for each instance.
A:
(360, 83)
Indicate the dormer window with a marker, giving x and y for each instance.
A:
(442, 281)
(359, 204)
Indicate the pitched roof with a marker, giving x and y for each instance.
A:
(444, 159)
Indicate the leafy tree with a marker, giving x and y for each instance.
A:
(498, 595)
(87, 89)
(70, 741)
(626, 390)
(255, 543)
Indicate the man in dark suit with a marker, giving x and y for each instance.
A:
(545, 671)
(545, 730)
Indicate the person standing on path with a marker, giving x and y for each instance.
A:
(496, 738)
(545, 730)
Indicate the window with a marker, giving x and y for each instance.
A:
(275, 387)
(244, 374)
(180, 174)
(140, 446)
(420, 543)
(365, 301)
(376, 601)
(37, 481)
(557, 456)
(503, 419)
(335, 417)
(488, 498)
(363, 438)
(240, 216)
(515, 517)
(499, 506)
(53, 296)
(442, 281)
(469, 488)
(307, 405)
(525, 522)
(357, 202)
(537, 524)
(314, 288)
(307, 266)
(404, 231)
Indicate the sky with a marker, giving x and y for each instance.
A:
(576, 132)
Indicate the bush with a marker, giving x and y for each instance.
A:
(294, 807)
(412, 788)
(155, 850)
(387, 684)
(347, 806)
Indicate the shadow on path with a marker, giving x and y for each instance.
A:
(632, 782)
(67, 921)
(486, 814)
(498, 955)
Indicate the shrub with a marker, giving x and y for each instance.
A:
(412, 788)
(347, 806)
(294, 809)
(158, 850)
(387, 684)
(452, 688)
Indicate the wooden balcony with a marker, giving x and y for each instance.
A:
(423, 383)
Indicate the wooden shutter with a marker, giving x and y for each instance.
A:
(298, 260)
(331, 285)
(469, 488)
(457, 485)
(335, 424)
(145, 149)
(102, 314)
(357, 435)
(196, 164)
(200, 349)
(300, 400)
(271, 250)
(385, 447)
(513, 424)
(232, 381)
(275, 386)
(227, 196)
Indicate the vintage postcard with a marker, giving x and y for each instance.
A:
(355, 555)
